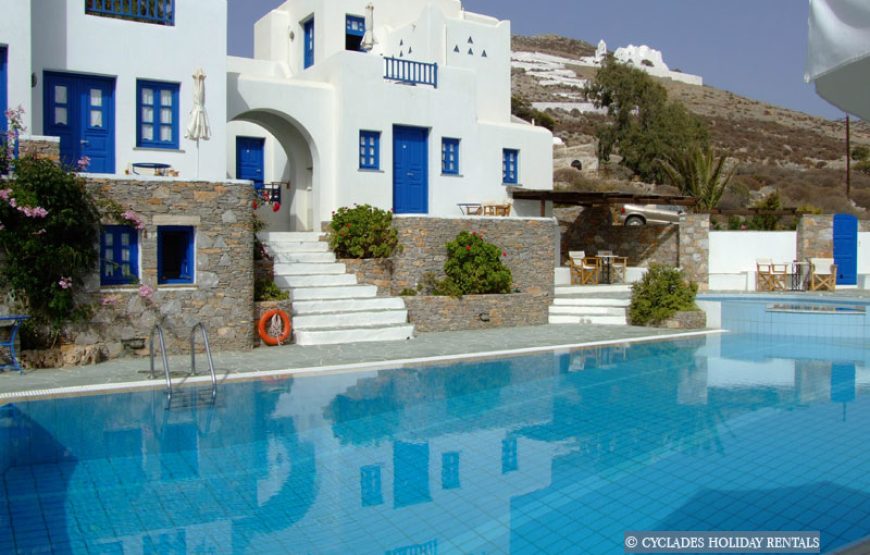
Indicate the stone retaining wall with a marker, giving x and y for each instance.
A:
(815, 236)
(591, 229)
(374, 271)
(694, 249)
(473, 312)
(39, 146)
(223, 294)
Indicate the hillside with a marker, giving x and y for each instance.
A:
(801, 156)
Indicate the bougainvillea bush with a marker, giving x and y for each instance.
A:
(362, 231)
(48, 232)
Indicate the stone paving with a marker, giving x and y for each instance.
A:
(425, 345)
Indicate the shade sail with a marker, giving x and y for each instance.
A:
(838, 54)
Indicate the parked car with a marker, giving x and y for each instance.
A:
(642, 214)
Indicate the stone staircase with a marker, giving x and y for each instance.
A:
(602, 305)
(329, 306)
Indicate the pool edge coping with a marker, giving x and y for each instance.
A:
(122, 387)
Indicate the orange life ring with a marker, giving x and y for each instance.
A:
(265, 326)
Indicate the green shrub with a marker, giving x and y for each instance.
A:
(48, 239)
(362, 232)
(408, 292)
(659, 295)
(474, 267)
(268, 291)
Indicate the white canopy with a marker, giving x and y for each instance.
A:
(838, 54)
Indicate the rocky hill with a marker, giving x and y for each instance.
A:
(799, 155)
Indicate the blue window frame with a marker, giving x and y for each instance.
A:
(157, 123)
(450, 156)
(308, 28)
(4, 102)
(355, 30)
(175, 254)
(119, 255)
(509, 165)
(160, 12)
(369, 150)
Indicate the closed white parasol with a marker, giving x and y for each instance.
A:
(198, 128)
(368, 41)
(838, 54)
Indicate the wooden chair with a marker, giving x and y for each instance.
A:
(770, 276)
(618, 269)
(496, 209)
(584, 270)
(823, 274)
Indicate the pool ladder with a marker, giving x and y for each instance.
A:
(158, 331)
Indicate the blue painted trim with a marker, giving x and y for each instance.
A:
(159, 12)
(111, 272)
(449, 156)
(187, 263)
(4, 94)
(510, 166)
(256, 171)
(369, 150)
(845, 238)
(308, 46)
(355, 25)
(410, 170)
(413, 73)
(156, 106)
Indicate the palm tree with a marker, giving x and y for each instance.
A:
(697, 173)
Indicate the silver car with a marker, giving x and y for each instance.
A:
(642, 214)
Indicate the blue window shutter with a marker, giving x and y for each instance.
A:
(119, 255)
(157, 114)
(369, 150)
(308, 27)
(450, 156)
(510, 165)
(355, 25)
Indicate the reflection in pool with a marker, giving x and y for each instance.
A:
(556, 453)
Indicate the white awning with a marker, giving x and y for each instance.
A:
(838, 54)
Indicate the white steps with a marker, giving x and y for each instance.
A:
(563, 290)
(329, 306)
(605, 311)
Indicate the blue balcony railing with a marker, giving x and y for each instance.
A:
(160, 12)
(414, 73)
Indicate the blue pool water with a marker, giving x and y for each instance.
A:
(555, 453)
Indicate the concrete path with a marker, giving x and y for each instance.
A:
(425, 345)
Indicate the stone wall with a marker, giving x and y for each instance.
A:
(694, 249)
(591, 229)
(374, 271)
(39, 146)
(223, 293)
(473, 312)
(815, 236)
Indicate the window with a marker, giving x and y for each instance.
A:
(355, 31)
(119, 255)
(175, 254)
(510, 162)
(160, 12)
(308, 28)
(369, 150)
(157, 115)
(509, 462)
(450, 156)
(450, 470)
(370, 486)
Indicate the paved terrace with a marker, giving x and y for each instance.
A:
(296, 357)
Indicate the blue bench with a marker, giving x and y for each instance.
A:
(10, 343)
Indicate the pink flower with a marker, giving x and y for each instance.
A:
(146, 292)
(13, 203)
(134, 219)
(65, 282)
(111, 300)
(83, 163)
(504, 253)
(468, 247)
(5, 193)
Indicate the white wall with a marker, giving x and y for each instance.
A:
(71, 41)
(863, 253)
(733, 255)
(15, 35)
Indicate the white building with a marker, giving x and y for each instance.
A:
(314, 111)
(353, 126)
(114, 82)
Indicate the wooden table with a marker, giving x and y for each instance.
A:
(15, 322)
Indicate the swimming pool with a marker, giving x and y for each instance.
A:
(556, 453)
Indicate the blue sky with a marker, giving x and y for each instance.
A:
(756, 48)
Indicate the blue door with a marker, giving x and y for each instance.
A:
(309, 43)
(80, 109)
(4, 98)
(249, 160)
(410, 170)
(846, 248)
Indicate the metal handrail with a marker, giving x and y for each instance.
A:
(202, 329)
(411, 72)
(160, 336)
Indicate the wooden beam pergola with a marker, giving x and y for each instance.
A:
(590, 198)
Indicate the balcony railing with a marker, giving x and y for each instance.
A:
(414, 73)
(160, 12)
